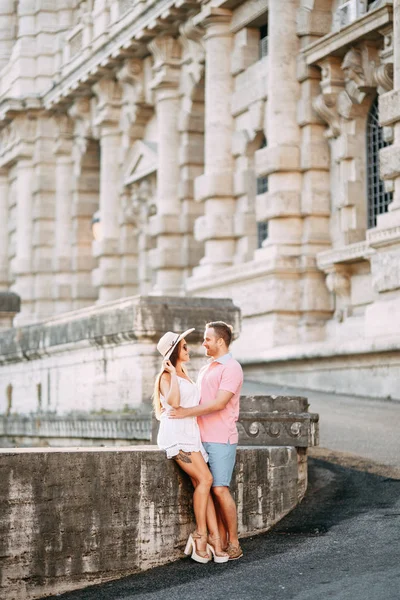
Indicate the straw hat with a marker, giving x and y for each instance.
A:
(169, 341)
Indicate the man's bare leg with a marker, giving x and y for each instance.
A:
(227, 513)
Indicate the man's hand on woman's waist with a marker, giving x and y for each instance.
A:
(219, 403)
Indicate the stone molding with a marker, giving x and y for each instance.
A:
(128, 37)
(333, 42)
(352, 253)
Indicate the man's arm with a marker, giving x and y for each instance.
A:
(221, 400)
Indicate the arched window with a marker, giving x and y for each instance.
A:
(378, 199)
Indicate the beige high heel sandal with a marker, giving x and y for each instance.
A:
(219, 557)
(201, 557)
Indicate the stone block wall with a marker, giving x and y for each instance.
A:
(101, 358)
(70, 518)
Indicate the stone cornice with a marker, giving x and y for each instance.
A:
(340, 41)
(352, 253)
(140, 319)
(134, 36)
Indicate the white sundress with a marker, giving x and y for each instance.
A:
(181, 434)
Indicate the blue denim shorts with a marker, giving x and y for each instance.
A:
(221, 460)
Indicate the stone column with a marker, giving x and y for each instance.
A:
(315, 164)
(43, 217)
(22, 263)
(85, 202)
(4, 241)
(107, 277)
(167, 257)
(280, 160)
(215, 187)
(62, 258)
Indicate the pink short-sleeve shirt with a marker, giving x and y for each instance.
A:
(225, 374)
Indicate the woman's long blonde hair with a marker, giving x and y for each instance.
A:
(156, 394)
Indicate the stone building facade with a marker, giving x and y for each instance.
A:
(222, 148)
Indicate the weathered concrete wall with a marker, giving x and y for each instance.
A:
(70, 518)
(101, 358)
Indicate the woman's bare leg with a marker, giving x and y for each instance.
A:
(194, 465)
(213, 524)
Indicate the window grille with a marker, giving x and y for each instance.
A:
(378, 199)
(263, 41)
(262, 232)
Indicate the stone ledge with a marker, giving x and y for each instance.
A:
(138, 319)
(114, 512)
(341, 41)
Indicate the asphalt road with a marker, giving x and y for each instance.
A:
(341, 543)
(361, 426)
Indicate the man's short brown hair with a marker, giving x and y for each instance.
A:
(222, 330)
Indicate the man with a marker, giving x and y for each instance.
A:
(220, 382)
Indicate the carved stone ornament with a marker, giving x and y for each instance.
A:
(354, 75)
(135, 112)
(166, 51)
(325, 107)
(109, 94)
(338, 282)
(383, 76)
(193, 49)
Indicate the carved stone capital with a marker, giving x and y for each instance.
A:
(166, 52)
(215, 20)
(64, 130)
(131, 78)
(193, 49)
(109, 95)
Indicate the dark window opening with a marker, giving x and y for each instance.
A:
(262, 233)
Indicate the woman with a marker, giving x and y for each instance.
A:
(180, 438)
